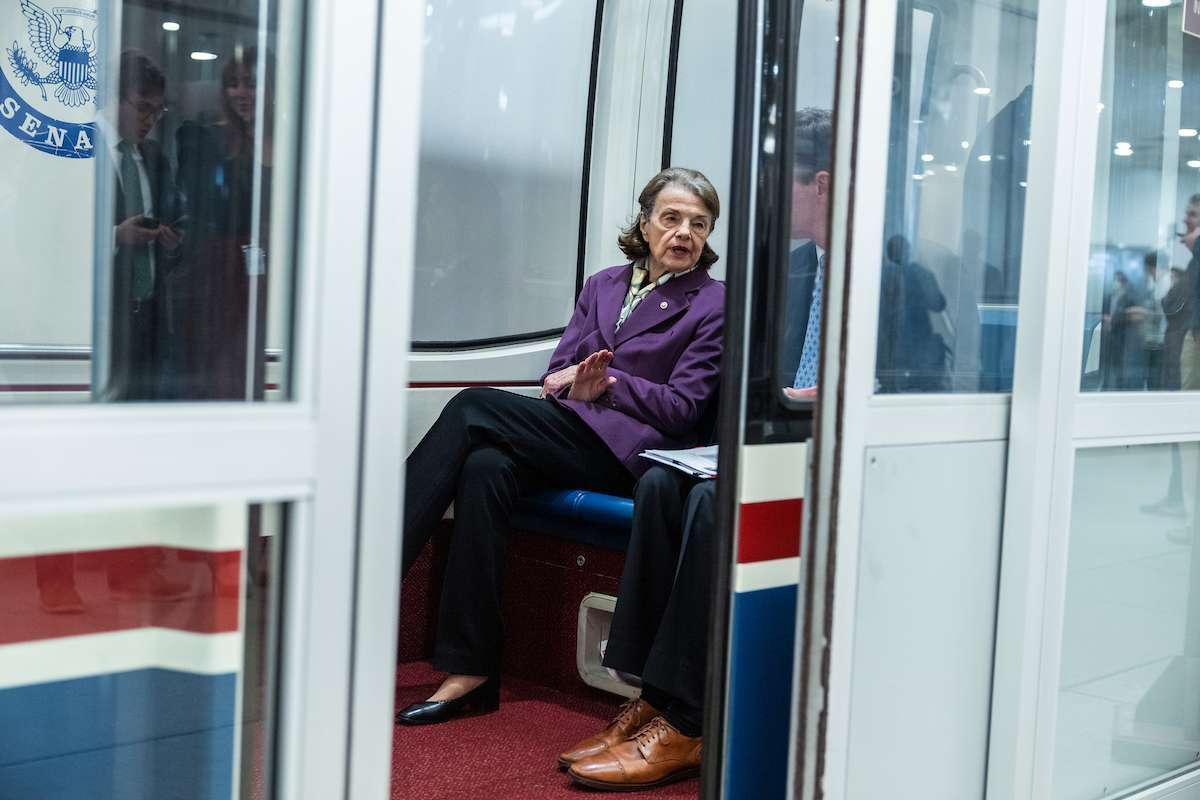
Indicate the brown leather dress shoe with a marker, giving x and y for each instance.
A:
(657, 754)
(633, 715)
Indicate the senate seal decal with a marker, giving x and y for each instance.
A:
(48, 76)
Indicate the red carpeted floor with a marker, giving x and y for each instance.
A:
(507, 755)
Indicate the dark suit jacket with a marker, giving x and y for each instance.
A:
(802, 275)
(168, 206)
(1193, 282)
(135, 345)
(666, 359)
(1177, 308)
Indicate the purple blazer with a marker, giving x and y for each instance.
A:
(666, 359)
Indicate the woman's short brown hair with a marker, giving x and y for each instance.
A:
(633, 243)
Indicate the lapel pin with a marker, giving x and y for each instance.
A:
(663, 304)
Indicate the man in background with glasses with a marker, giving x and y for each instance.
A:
(147, 215)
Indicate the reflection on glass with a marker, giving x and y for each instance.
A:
(1127, 710)
(137, 203)
(135, 652)
(704, 80)
(503, 117)
(955, 196)
(1142, 309)
(798, 352)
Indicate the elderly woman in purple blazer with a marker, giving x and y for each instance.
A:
(635, 369)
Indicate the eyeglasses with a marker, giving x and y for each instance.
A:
(148, 111)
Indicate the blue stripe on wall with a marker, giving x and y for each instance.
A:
(148, 734)
(760, 694)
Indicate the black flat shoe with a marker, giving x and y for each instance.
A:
(482, 699)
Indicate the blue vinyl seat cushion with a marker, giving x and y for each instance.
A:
(601, 520)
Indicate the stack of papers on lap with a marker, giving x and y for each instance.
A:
(698, 461)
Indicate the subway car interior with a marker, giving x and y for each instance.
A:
(739, 399)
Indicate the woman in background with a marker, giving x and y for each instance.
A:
(218, 318)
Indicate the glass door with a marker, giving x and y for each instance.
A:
(179, 560)
(1097, 645)
(928, 258)
(1000, 594)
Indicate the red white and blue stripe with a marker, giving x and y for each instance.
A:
(132, 699)
(763, 619)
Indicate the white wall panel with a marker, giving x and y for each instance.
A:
(928, 571)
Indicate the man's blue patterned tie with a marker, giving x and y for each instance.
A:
(806, 372)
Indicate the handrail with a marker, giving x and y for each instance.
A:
(71, 352)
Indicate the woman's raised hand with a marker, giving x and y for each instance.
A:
(556, 381)
(592, 378)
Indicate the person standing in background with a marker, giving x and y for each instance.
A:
(910, 355)
(147, 233)
(1153, 323)
(1128, 308)
(1178, 306)
(1177, 310)
(219, 302)
(1189, 351)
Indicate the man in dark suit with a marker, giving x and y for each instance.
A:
(811, 184)
(147, 213)
(1189, 356)
(802, 275)
(660, 627)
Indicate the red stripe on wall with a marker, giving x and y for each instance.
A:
(469, 384)
(45, 387)
(769, 530)
(117, 590)
(78, 387)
